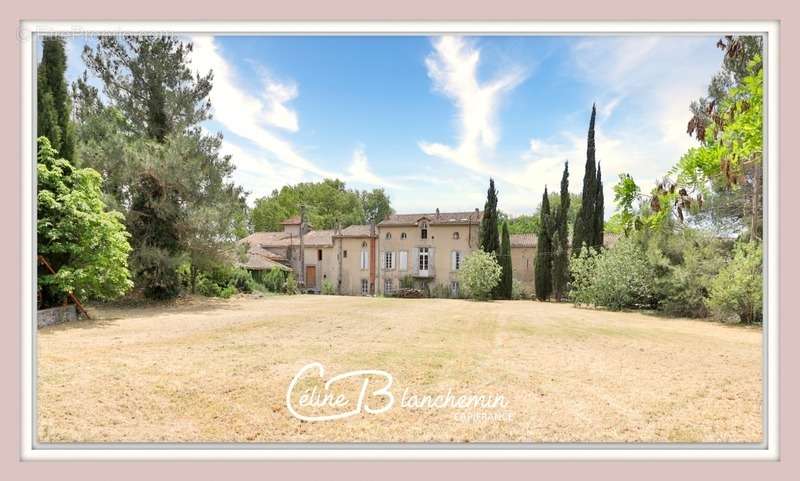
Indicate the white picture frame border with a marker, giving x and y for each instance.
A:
(768, 450)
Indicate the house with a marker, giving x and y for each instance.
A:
(425, 250)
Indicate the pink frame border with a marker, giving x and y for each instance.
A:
(408, 10)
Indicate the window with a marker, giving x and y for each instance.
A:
(455, 260)
(423, 230)
(344, 254)
(402, 263)
(456, 235)
(403, 235)
(388, 260)
(364, 287)
(423, 258)
(364, 259)
(454, 288)
(388, 236)
(319, 254)
(388, 287)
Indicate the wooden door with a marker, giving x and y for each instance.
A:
(311, 277)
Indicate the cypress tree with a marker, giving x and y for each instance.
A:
(506, 281)
(53, 105)
(561, 240)
(490, 240)
(543, 282)
(585, 220)
(599, 221)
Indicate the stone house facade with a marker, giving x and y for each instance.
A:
(425, 250)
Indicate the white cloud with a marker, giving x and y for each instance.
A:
(242, 113)
(251, 117)
(256, 174)
(359, 171)
(453, 68)
(277, 94)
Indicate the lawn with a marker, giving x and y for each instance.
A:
(218, 370)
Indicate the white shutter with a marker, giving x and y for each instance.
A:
(403, 264)
(415, 260)
(453, 261)
(382, 261)
(431, 261)
(394, 260)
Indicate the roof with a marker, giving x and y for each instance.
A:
(260, 262)
(530, 240)
(440, 218)
(523, 240)
(292, 221)
(318, 238)
(356, 230)
(285, 239)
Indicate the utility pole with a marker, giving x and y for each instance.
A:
(301, 277)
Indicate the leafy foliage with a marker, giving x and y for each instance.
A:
(542, 271)
(85, 244)
(738, 289)
(560, 241)
(160, 169)
(479, 274)
(149, 79)
(53, 104)
(615, 278)
(588, 230)
(489, 235)
(685, 262)
(506, 280)
(274, 280)
(327, 288)
(290, 286)
(328, 204)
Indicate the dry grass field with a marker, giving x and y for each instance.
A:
(214, 370)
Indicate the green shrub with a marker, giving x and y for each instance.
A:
(327, 288)
(207, 287)
(274, 280)
(479, 274)
(407, 282)
(518, 291)
(616, 278)
(290, 286)
(685, 263)
(737, 291)
(225, 281)
(242, 280)
(440, 291)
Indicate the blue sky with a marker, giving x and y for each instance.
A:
(430, 119)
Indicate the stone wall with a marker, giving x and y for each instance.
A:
(56, 315)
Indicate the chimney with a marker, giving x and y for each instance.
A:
(437, 212)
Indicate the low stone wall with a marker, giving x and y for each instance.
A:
(56, 315)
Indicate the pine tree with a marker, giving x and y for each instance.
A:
(561, 240)
(490, 240)
(171, 179)
(543, 281)
(585, 221)
(506, 281)
(599, 221)
(53, 104)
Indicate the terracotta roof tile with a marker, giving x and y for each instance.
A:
(433, 218)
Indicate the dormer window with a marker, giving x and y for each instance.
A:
(403, 235)
(423, 230)
(456, 236)
(388, 236)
